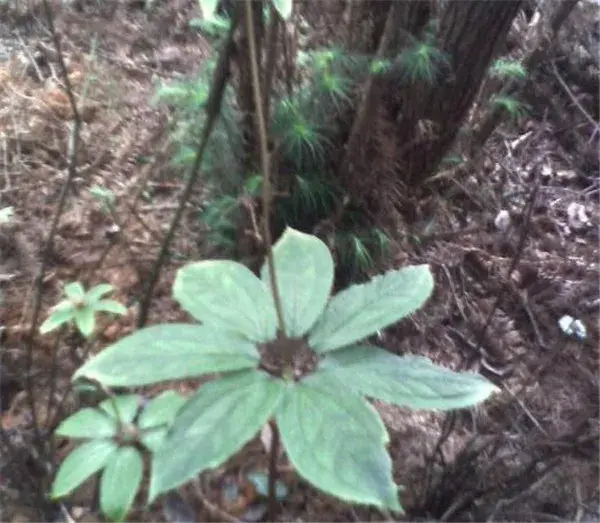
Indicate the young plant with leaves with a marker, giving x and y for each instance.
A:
(312, 380)
(105, 197)
(504, 68)
(422, 61)
(115, 435)
(81, 308)
(513, 107)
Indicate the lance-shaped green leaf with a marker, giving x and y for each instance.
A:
(222, 416)
(158, 416)
(336, 441)
(74, 291)
(95, 293)
(411, 381)
(62, 313)
(362, 310)
(227, 295)
(122, 408)
(161, 410)
(85, 460)
(120, 482)
(85, 320)
(87, 423)
(109, 306)
(304, 269)
(169, 352)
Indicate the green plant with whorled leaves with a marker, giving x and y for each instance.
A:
(310, 381)
(114, 434)
(422, 60)
(81, 307)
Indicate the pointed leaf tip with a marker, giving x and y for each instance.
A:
(362, 310)
(304, 271)
(97, 292)
(317, 417)
(169, 352)
(120, 482)
(87, 423)
(409, 381)
(227, 295)
(82, 463)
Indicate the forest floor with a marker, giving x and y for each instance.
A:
(530, 453)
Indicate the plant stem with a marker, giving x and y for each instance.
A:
(213, 110)
(272, 507)
(266, 195)
(264, 160)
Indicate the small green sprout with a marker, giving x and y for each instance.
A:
(422, 62)
(312, 380)
(302, 139)
(104, 196)
(114, 434)
(503, 68)
(380, 66)
(515, 109)
(81, 307)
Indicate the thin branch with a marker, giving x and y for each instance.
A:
(271, 58)
(213, 110)
(48, 247)
(272, 479)
(289, 60)
(264, 160)
(573, 97)
(525, 231)
(213, 509)
(350, 18)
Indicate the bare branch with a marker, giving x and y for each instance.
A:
(213, 110)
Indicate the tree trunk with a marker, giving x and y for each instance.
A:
(402, 21)
(429, 115)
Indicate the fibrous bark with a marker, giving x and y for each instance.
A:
(429, 116)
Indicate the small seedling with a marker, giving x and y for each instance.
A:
(311, 378)
(515, 109)
(115, 434)
(104, 196)
(380, 66)
(81, 307)
(422, 62)
(503, 68)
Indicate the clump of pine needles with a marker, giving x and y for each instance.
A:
(304, 128)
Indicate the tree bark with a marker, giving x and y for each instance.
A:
(429, 116)
(538, 53)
